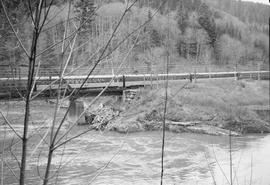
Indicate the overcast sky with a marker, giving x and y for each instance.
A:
(259, 1)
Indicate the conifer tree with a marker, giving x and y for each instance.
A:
(207, 22)
(182, 16)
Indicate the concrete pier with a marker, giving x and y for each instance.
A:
(76, 109)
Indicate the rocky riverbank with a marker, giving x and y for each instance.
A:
(207, 108)
(108, 119)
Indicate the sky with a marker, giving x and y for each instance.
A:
(259, 1)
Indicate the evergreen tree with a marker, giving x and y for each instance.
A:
(182, 16)
(208, 23)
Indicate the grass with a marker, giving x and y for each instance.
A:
(212, 102)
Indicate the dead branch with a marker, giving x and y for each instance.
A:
(10, 126)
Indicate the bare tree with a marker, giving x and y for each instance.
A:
(38, 23)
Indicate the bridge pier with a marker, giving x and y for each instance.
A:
(76, 110)
(129, 95)
(124, 82)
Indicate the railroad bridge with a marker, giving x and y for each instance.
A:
(47, 83)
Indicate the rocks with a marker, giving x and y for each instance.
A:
(99, 118)
(152, 125)
(153, 116)
(89, 118)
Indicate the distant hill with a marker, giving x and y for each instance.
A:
(247, 11)
(201, 32)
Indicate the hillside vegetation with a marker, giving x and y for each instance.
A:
(207, 35)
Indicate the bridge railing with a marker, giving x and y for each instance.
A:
(107, 70)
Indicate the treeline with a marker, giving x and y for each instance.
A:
(221, 31)
(248, 12)
(245, 11)
(200, 30)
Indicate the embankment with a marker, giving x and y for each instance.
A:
(207, 106)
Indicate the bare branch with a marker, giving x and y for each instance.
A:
(211, 171)
(11, 170)
(77, 68)
(49, 20)
(15, 157)
(164, 118)
(16, 88)
(74, 137)
(104, 89)
(71, 35)
(95, 65)
(10, 126)
(46, 15)
(215, 157)
(103, 57)
(31, 11)
(38, 171)
(35, 79)
(3, 157)
(97, 51)
(40, 142)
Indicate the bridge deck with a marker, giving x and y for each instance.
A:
(119, 81)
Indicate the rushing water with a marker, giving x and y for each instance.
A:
(112, 158)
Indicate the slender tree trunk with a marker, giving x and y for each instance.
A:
(48, 167)
(61, 73)
(31, 71)
(3, 157)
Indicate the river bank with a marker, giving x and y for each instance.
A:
(208, 107)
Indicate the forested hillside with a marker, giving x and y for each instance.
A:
(196, 32)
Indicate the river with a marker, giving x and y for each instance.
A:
(112, 158)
